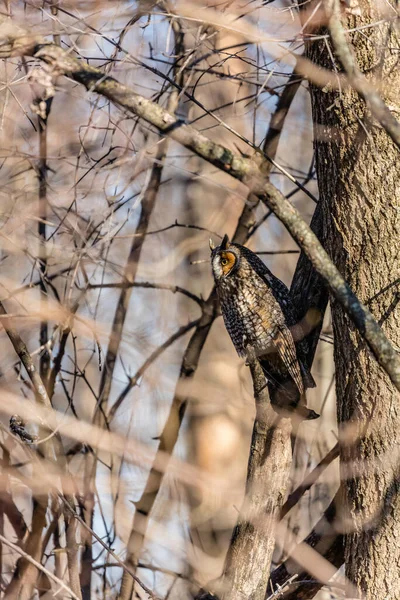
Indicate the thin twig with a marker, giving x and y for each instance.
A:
(40, 567)
(115, 556)
(248, 170)
(309, 481)
(175, 289)
(148, 362)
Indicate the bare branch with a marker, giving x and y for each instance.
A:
(325, 540)
(250, 172)
(175, 289)
(356, 78)
(153, 357)
(309, 481)
(40, 567)
(109, 550)
(360, 315)
(26, 359)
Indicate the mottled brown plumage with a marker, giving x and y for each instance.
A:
(259, 315)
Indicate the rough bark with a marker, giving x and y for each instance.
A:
(249, 556)
(357, 166)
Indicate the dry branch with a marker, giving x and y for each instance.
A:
(356, 78)
(175, 289)
(309, 481)
(26, 359)
(360, 315)
(110, 551)
(248, 170)
(325, 540)
(147, 363)
(38, 566)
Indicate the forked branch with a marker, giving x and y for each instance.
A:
(250, 171)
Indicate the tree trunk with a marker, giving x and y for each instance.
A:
(357, 167)
(248, 561)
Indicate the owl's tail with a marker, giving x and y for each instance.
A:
(285, 397)
(287, 401)
(301, 413)
(305, 413)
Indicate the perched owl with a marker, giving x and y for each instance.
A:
(258, 314)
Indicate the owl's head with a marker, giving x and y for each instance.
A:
(225, 259)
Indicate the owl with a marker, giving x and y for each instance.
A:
(259, 315)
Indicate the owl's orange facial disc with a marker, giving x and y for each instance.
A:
(228, 261)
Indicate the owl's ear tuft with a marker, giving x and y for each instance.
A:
(225, 243)
(212, 245)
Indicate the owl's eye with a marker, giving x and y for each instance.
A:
(227, 262)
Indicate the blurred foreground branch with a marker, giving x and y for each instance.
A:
(323, 539)
(40, 567)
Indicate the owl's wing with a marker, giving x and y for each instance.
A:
(281, 294)
(284, 344)
(308, 379)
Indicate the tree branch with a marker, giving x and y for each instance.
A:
(325, 540)
(175, 289)
(356, 78)
(250, 171)
(38, 566)
(309, 481)
(110, 551)
(147, 363)
(26, 359)
(360, 315)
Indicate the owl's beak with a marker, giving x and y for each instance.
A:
(212, 245)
